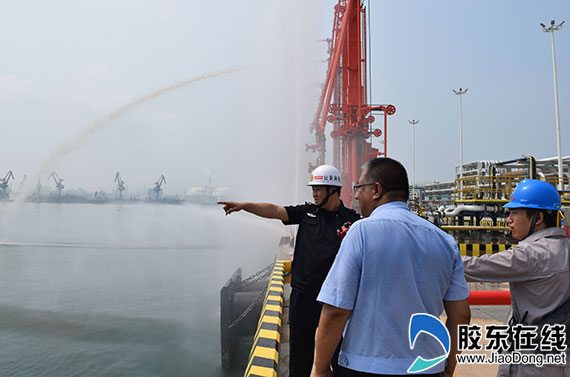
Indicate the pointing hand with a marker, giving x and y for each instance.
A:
(230, 207)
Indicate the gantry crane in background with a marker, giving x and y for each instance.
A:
(157, 186)
(120, 185)
(4, 182)
(349, 111)
(58, 182)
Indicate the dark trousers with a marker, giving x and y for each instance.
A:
(304, 314)
(345, 372)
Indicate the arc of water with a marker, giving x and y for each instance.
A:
(74, 142)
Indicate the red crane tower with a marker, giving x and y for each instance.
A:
(349, 112)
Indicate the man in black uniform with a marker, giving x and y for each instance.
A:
(315, 250)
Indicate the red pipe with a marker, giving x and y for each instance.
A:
(490, 298)
(334, 65)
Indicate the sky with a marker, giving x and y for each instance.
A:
(421, 51)
(66, 65)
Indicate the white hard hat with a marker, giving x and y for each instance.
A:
(325, 175)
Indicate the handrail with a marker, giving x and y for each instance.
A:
(489, 298)
(481, 188)
(477, 249)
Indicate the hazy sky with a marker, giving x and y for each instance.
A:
(421, 50)
(67, 64)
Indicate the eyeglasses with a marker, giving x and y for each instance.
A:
(355, 188)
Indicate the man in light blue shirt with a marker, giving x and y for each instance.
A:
(390, 266)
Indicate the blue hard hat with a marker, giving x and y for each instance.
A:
(532, 193)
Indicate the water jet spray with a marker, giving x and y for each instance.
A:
(76, 141)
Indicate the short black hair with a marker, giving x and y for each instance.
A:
(550, 217)
(391, 174)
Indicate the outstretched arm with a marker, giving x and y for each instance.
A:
(514, 264)
(458, 313)
(267, 210)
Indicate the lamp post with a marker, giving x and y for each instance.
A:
(551, 29)
(460, 93)
(413, 122)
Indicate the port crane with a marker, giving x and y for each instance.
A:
(58, 182)
(344, 100)
(4, 181)
(120, 185)
(157, 186)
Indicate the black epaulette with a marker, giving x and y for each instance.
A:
(314, 211)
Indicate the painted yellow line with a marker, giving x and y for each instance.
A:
(277, 308)
(267, 353)
(273, 320)
(261, 371)
(269, 334)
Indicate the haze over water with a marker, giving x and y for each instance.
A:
(121, 290)
(133, 290)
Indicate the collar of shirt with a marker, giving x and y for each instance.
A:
(548, 232)
(387, 206)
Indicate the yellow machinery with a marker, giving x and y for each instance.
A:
(477, 215)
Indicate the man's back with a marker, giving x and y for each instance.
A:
(391, 265)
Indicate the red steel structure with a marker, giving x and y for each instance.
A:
(349, 112)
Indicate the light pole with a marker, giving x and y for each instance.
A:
(460, 93)
(413, 122)
(551, 29)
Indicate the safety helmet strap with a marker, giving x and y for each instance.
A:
(533, 223)
(329, 194)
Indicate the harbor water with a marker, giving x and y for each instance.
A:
(120, 290)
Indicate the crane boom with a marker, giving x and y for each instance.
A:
(4, 181)
(58, 182)
(350, 111)
(120, 185)
(157, 185)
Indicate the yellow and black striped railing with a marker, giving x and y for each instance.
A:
(476, 250)
(264, 356)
